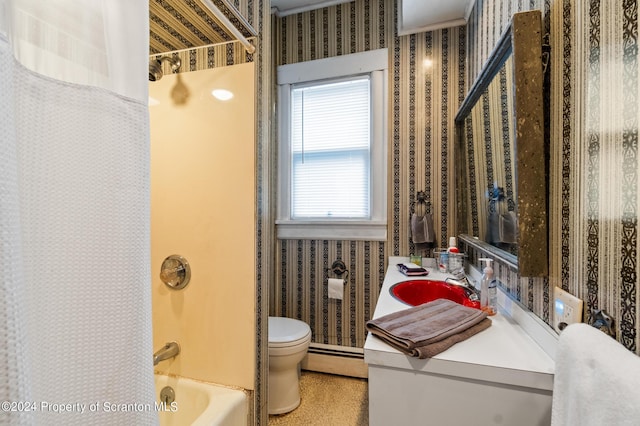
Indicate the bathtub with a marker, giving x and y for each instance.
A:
(199, 404)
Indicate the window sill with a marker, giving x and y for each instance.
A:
(338, 230)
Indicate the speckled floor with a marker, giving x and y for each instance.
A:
(330, 400)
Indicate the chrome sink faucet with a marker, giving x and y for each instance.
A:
(461, 280)
(170, 350)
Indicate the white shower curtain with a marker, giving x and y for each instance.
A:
(75, 304)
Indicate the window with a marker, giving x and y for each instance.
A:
(332, 166)
(330, 150)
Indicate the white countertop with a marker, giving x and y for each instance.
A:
(503, 353)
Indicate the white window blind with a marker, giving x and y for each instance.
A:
(331, 150)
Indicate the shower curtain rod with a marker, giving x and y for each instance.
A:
(250, 48)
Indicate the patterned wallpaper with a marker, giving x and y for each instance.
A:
(212, 56)
(258, 15)
(593, 152)
(179, 24)
(597, 91)
(424, 99)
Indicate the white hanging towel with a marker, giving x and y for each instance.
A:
(596, 380)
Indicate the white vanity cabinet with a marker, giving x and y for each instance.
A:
(500, 376)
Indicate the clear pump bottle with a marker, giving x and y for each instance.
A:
(488, 288)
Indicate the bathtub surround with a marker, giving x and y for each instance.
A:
(203, 208)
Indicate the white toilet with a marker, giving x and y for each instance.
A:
(288, 343)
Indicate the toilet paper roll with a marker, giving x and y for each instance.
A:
(336, 288)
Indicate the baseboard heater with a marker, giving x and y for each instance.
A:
(334, 359)
(321, 348)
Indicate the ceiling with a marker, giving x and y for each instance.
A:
(184, 24)
(414, 15)
(428, 15)
(289, 7)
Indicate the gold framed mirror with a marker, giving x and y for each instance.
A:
(501, 173)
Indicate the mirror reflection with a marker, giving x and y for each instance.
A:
(489, 132)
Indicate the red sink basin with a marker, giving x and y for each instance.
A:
(417, 292)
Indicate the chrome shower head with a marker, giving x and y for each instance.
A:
(155, 67)
(155, 70)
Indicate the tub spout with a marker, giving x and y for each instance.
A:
(170, 350)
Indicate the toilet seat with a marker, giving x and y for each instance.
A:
(286, 332)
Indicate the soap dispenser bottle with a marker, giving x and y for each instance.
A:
(488, 288)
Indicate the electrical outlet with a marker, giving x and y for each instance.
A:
(568, 309)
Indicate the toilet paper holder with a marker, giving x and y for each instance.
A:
(339, 268)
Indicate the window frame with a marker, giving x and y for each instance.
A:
(375, 64)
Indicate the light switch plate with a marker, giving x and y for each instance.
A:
(568, 309)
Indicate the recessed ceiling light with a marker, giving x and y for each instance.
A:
(222, 94)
